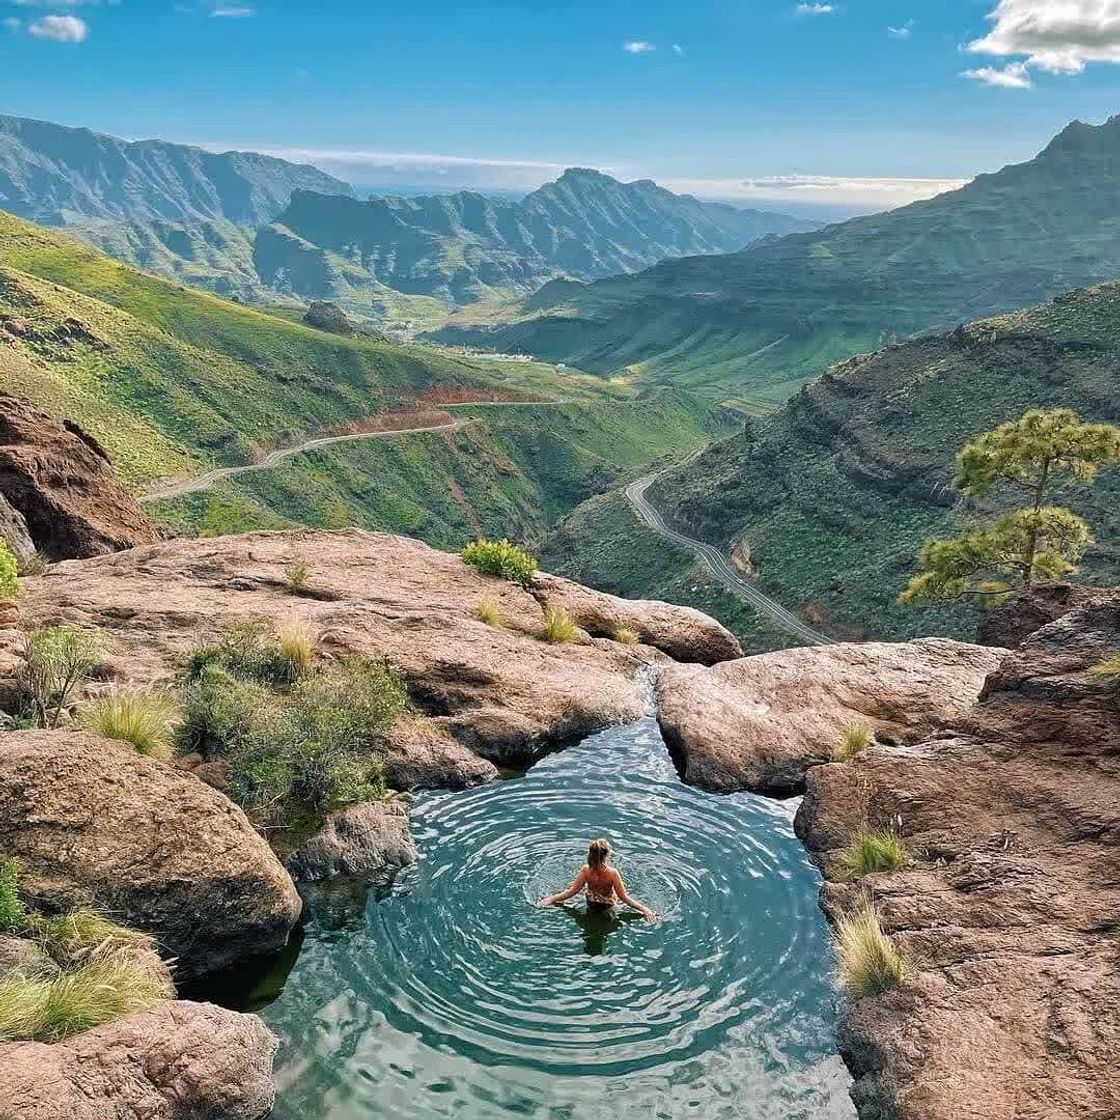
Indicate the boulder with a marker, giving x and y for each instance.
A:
(1010, 623)
(759, 723)
(684, 633)
(420, 754)
(370, 841)
(93, 822)
(502, 692)
(61, 483)
(178, 1061)
(1009, 909)
(13, 532)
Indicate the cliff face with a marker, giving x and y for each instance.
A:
(1010, 909)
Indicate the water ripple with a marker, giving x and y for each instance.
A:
(456, 997)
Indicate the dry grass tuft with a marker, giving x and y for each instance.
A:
(871, 851)
(867, 960)
(144, 719)
(854, 740)
(490, 612)
(558, 626)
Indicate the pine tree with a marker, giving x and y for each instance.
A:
(1028, 544)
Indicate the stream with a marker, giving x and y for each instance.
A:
(450, 994)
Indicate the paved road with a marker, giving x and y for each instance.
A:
(721, 568)
(205, 481)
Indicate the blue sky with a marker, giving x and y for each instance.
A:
(767, 100)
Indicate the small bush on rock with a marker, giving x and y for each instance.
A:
(296, 643)
(854, 740)
(9, 573)
(57, 661)
(299, 575)
(558, 626)
(1108, 669)
(252, 650)
(500, 558)
(871, 851)
(12, 912)
(489, 612)
(626, 635)
(868, 961)
(144, 719)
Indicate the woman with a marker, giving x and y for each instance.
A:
(602, 882)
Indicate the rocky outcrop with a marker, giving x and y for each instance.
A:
(371, 841)
(683, 633)
(179, 1061)
(94, 823)
(61, 483)
(1010, 910)
(13, 532)
(759, 723)
(419, 754)
(1012, 622)
(502, 692)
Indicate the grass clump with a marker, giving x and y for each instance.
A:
(82, 934)
(868, 961)
(108, 986)
(309, 749)
(558, 626)
(626, 635)
(854, 740)
(57, 661)
(253, 650)
(500, 558)
(9, 573)
(1108, 669)
(144, 719)
(870, 851)
(12, 912)
(297, 644)
(489, 612)
(298, 576)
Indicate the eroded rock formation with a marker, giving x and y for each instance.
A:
(92, 822)
(370, 841)
(759, 723)
(1010, 911)
(61, 483)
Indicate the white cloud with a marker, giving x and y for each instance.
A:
(1012, 76)
(231, 12)
(855, 191)
(1058, 36)
(903, 32)
(639, 46)
(60, 29)
(677, 48)
(814, 9)
(12, 23)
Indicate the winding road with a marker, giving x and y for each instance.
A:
(721, 567)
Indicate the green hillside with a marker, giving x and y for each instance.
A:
(835, 492)
(173, 381)
(749, 326)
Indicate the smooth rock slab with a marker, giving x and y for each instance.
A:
(178, 1061)
(93, 822)
(759, 723)
(371, 842)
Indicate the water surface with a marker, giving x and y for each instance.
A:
(451, 995)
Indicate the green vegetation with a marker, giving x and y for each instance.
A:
(296, 742)
(502, 559)
(297, 645)
(747, 327)
(871, 851)
(868, 961)
(490, 612)
(625, 635)
(558, 626)
(1040, 542)
(1108, 669)
(58, 660)
(298, 575)
(854, 740)
(144, 719)
(12, 912)
(9, 573)
(80, 935)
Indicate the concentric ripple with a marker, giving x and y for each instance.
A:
(455, 996)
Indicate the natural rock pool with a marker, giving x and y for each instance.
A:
(451, 995)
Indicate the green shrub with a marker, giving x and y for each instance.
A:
(298, 576)
(311, 748)
(854, 740)
(57, 661)
(1108, 669)
(871, 851)
(868, 961)
(12, 912)
(144, 719)
(489, 612)
(9, 573)
(108, 986)
(558, 626)
(253, 650)
(626, 635)
(500, 558)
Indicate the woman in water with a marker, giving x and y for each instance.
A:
(603, 883)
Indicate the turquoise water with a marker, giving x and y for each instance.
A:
(451, 995)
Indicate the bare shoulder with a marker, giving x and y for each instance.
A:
(616, 876)
(584, 871)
